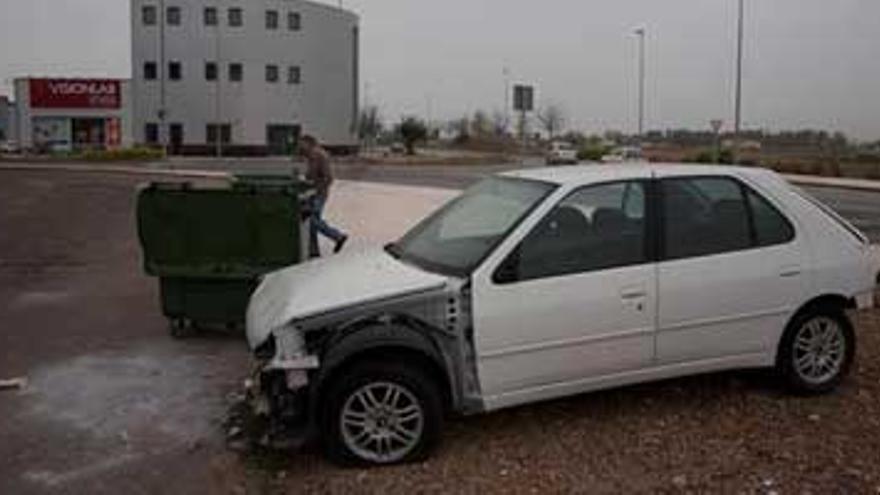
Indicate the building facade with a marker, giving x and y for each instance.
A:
(243, 77)
(71, 114)
(6, 110)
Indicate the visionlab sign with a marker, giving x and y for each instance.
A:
(75, 93)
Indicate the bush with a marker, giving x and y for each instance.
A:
(707, 156)
(126, 154)
(592, 153)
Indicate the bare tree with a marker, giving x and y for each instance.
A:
(500, 123)
(481, 126)
(370, 125)
(552, 119)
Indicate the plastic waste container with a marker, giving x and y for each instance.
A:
(209, 244)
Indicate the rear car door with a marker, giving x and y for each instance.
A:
(572, 301)
(730, 275)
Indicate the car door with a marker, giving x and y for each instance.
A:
(572, 300)
(730, 273)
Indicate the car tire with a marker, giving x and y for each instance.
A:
(816, 351)
(390, 433)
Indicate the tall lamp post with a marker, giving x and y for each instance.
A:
(640, 32)
(737, 123)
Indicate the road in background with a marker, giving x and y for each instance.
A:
(858, 206)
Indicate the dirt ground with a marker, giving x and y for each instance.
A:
(113, 405)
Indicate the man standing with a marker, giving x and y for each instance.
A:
(318, 172)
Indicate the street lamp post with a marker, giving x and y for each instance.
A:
(640, 32)
(737, 123)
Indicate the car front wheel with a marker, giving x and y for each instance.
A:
(380, 413)
(816, 352)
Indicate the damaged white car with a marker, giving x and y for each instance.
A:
(545, 283)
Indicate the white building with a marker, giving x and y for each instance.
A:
(65, 114)
(254, 73)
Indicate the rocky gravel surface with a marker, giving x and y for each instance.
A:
(74, 304)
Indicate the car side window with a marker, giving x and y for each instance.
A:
(595, 228)
(704, 216)
(771, 228)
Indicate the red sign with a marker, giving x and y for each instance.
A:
(75, 93)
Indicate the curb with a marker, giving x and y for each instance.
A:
(115, 169)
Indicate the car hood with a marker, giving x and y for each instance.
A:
(322, 286)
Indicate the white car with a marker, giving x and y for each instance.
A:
(625, 154)
(550, 282)
(9, 147)
(561, 153)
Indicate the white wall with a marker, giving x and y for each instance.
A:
(324, 104)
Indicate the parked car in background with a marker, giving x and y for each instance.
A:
(561, 153)
(9, 147)
(625, 154)
(539, 284)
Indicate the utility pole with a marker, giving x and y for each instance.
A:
(505, 71)
(640, 32)
(737, 124)
(163, 131)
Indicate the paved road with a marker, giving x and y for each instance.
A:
(860, 207)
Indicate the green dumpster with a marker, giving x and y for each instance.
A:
(208, 245)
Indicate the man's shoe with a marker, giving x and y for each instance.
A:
(340, 244)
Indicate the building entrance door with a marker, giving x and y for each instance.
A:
(282, 139)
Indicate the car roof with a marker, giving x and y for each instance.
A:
(587, 174)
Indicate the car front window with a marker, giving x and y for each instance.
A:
(455, 239)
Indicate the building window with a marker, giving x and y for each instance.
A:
(175, 71)
(151, 133)
(272, 73)
(236, 72)
(210, 16)
(210, 71)
(173, 16)
(149, 15)
(151, 71)
(294, 21)
(293, 74)
(236, 18)
(225, 133)
(271, 19)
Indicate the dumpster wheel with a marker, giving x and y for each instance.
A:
(181, 328)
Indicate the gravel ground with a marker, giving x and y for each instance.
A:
(115, 406)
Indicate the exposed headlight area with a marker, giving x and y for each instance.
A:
(266, 350)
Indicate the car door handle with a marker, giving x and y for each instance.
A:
(790, 271)
(629, 295)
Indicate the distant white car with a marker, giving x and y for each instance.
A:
(625, 154)
(561, 153)
(549, 282)
(9, 147)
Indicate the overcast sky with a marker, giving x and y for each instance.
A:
(808, 63)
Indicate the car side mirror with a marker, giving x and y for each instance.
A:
(508, 271)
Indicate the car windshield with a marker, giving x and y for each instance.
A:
(456, 238)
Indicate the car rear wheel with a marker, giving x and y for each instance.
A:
(380, 413)
(817, 351)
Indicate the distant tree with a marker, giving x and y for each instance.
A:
(552, 119)
(370, 125)
(460, 128)
(481, 126)
(412, 130)
(500, 123)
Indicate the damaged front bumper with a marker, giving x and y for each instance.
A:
(276, 409)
